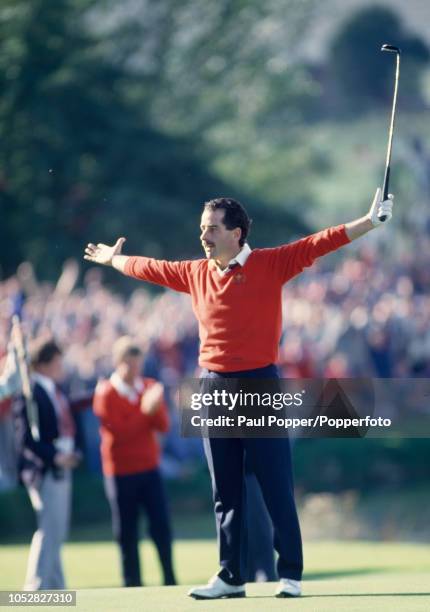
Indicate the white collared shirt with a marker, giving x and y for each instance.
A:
(131, 392)
(240, 258)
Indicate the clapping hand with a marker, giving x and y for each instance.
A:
(152, 398)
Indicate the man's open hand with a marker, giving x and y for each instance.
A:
(103, 253)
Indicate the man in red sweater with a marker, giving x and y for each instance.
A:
(132, 411)
(236, 297)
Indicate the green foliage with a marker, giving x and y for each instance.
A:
(218, 61)
(122, 118)
(235, 64)
(75, 154)
(362, 74)
(362, 464)
(367, 466)
(104, 124)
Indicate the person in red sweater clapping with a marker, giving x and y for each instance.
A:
(132, 411)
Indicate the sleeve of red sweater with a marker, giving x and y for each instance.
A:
(290, 259)
(172, 274)
(160, 419)
(111, 418)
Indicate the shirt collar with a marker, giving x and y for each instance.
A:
(46, 383)
(131, 392)
(240, 259)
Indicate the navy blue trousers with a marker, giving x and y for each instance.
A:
(258, 542)
(126, 495)
(270, 460)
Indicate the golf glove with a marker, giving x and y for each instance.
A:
(379, 209)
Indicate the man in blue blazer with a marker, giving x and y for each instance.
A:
(45, 466)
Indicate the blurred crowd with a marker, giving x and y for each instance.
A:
(367, 316)
(353, 316)
(364, 312)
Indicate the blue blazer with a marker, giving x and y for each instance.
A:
(36, 458)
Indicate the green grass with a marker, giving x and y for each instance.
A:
(339, 576)
(383, 595)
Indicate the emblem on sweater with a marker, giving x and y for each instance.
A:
(239, 278)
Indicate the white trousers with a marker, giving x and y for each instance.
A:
(51, 503)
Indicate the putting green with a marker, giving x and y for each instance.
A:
(376, 593)
(339, 576)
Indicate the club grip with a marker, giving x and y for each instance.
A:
(385, 189)
(386, 183)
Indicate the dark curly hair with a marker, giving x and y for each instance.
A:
(235, 215)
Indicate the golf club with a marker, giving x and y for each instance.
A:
(27, 392)
(385, 186)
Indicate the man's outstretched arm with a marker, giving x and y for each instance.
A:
(291, 259)
(172, 274)
(361, 226)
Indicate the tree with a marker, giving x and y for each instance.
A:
(82, 155)
(362, 74)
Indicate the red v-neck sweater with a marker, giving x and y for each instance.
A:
(128, 437)
(239, 313)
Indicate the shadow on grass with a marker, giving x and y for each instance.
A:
(367, 595)
(359, 571)
(326, 595)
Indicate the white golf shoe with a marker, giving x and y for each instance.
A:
(289, 588)
(217, 589)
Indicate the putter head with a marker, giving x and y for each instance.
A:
(390, 49)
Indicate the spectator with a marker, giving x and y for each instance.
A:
(131, 410)
(45, 466)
